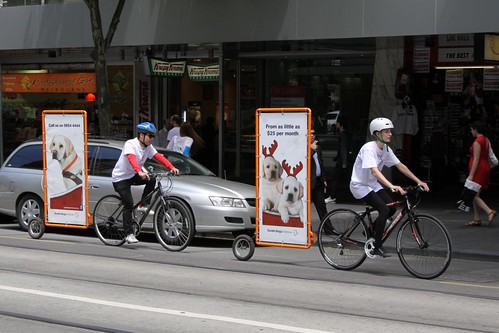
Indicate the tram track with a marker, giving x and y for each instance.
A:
(102, 255)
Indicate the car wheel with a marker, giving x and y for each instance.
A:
(29, 206)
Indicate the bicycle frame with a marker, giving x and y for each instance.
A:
(422, 241)
(407, 210)
(156, 194)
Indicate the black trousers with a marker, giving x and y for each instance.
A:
(378, 201)
(317, 194)
(124, 189)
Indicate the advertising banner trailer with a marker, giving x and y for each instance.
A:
(282, 169)
(65, 167)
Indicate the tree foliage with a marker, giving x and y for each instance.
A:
(98, 55)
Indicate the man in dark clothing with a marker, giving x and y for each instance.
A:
(343, 160)
(317, 177)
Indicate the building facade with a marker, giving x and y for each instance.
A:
(357, 57)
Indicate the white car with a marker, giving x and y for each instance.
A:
(331, 118)
(21, 191)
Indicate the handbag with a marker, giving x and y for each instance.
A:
(492, 157)
(465, 201)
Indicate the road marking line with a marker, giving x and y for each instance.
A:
(469, 285)
(163, 311)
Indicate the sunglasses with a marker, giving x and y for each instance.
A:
(152, 136)
(312, 133)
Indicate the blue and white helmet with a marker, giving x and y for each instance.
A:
(146, 127)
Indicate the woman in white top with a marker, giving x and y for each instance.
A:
(188, 142)
(367, 180)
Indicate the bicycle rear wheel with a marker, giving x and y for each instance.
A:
(342, 235)
(173, 224)
(424, 246)
(108, 220)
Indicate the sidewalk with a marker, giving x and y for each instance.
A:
(477, 243)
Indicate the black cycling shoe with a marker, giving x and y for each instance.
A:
(381, 252)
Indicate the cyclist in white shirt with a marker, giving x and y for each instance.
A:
(367, 181)
(128, 171)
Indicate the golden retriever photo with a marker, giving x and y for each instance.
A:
(62, 150)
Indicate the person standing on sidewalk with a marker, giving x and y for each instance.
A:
(479, 167)
(367, 181)
(340, 170)
(317, 177)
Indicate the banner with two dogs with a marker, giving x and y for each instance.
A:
(283, 167)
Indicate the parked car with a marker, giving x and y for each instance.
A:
(331, 118)
(218, 205)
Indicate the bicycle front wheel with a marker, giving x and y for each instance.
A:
(108, 220)
(173, 224)
(424, 246)
(342, 235)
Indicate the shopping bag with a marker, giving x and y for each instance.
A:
(465, 202)
(492, 158)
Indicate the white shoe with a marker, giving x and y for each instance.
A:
(130, 239)
(329, 200)
(143, 209)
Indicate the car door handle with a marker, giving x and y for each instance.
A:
(94, 186)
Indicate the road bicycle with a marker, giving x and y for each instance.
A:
(423, 244)
(173, 221)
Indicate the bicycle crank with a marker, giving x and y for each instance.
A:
(369, 248)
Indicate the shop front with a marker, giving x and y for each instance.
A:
(453, 80)
(26, 94)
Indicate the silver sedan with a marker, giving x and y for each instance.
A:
(218, 205)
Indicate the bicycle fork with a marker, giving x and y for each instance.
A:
(416, 233)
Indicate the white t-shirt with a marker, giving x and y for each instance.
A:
(363, 181)
(123, 169)
(181, 144)
(171, 133)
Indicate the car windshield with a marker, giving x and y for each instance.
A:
(186, 165)
(332, 116)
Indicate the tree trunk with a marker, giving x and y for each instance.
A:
(99, 57)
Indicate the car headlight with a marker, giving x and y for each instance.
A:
(227, 202)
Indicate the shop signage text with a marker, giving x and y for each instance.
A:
(456, 40)
(49, 83)
(456, 54)
(203, 73)
(144, 112)
(162, 68)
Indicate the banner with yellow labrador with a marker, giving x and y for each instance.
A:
(65, 167)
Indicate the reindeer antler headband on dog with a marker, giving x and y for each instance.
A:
(272, 149)
(296, 169)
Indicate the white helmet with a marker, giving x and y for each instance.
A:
(379, 124)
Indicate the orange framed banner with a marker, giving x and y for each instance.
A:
(65, 167)
(282, 177)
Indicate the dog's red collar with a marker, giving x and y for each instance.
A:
(71, 164)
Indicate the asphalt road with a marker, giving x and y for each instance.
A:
(68, 281)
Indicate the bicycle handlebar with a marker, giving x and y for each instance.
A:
(161, 174)
(414, 189)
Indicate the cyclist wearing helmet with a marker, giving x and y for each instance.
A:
(367, 180)
(128, 171)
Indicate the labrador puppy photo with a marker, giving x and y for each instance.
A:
(272, 172)
(290, 202)
(62, 150)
